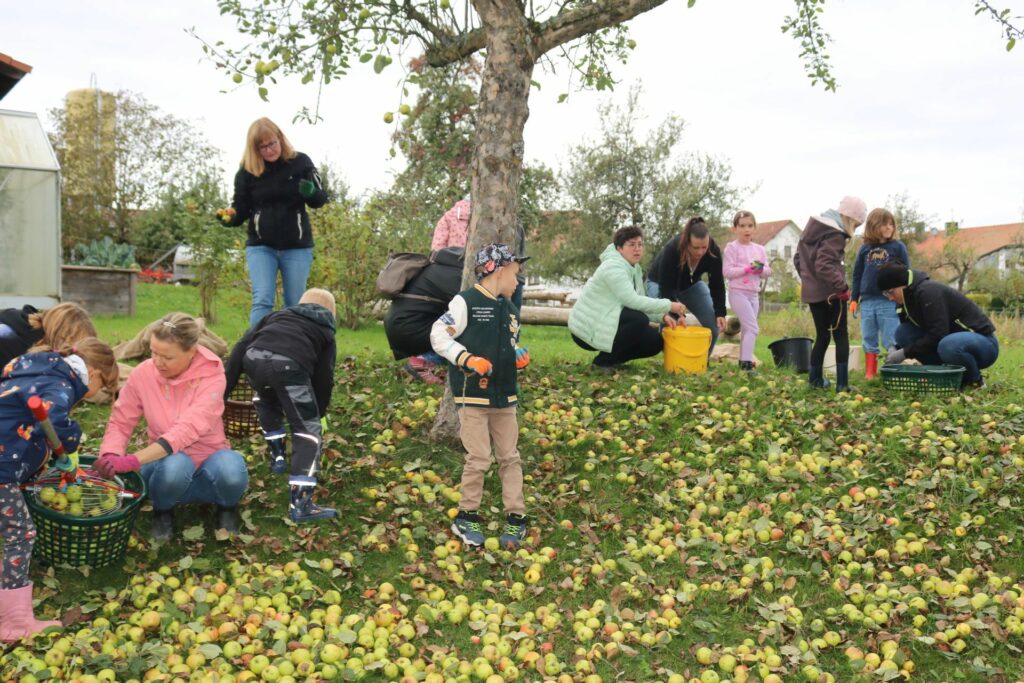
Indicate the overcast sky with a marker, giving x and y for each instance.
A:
(929, 102)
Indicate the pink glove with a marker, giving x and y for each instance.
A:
(110, 464)
(844, 295)
(750, 270)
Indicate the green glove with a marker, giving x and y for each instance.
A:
(67, 462)
(306, 188)
(323, 424)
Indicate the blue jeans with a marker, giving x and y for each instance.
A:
(264, 262)
(972, 350)
(697, 300)
(174, 480)
(878, 323)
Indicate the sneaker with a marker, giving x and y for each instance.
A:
(467, 527)
(515, 532)
(162, 526)
(302, 509)
(422, 371)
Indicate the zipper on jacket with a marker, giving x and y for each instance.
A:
(298, 221)
(256, 221)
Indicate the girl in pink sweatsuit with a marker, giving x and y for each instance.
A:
(744, 264)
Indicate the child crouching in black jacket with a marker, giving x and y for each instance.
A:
(289, 358)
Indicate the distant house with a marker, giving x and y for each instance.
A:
(990, 246)
(779, 239)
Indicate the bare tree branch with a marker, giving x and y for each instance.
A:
(569, 25)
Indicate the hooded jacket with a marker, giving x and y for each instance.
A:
(819, 259)
(272, 205)
(23, 447)
(185, 411)
(408, 320)
(613, 286)
(16, 334)
(304, 333)
(453, 228)
(939, 310)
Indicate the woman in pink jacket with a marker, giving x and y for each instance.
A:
(180, 392)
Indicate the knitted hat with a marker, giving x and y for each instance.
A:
(493, 256)
(853, 207)
(893, 275)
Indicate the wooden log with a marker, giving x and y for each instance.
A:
(544, 296)
(545, 315)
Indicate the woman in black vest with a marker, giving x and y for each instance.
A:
(273, 187)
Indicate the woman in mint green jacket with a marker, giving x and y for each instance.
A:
(613, 314)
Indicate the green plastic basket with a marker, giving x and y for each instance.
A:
(922, 379)
(93, 541)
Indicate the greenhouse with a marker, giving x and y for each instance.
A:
(29, 213)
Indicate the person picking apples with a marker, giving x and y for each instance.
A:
(61, 379)
(479, 336)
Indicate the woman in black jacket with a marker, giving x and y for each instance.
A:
(273, 187)
(677, 274)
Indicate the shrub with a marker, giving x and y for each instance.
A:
(104, 253)
(347, 256)
(217, 256)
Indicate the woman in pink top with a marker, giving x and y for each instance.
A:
(180, 392)
(744, 264)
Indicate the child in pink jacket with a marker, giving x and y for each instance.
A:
(453, 228)
(180, 392)
(744, 264)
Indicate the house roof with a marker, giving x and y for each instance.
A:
(982, 240)
(11, 71)
(765, 232)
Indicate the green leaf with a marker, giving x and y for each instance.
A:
(1010, 43)
(364, 58)
(263, 94)
(210, 651)
(379, 63)
(691, 3)
(193, 533)
(185, 562)
(563, 97)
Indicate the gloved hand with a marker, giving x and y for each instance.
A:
(110, 464)
(226, 215)
(522, 357)
(478, 364)
(853, 307)
(895, 357)
(750, 270)
(843, 295)
(323, 424)
(67, 463)
(306, 188)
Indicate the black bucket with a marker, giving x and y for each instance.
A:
(793, 352)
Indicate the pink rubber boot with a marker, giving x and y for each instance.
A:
(16, 617)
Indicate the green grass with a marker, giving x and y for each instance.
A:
(612, 465)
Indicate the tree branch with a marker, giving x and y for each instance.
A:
(575, 23)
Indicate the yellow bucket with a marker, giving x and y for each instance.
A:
(686, 349)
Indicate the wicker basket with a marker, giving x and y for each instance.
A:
(922, 379)
(95, 541)
(240, 419)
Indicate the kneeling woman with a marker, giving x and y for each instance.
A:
(180, 392)
(613, 314)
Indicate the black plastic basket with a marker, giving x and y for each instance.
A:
(95, 541)
(922, 379)
(792, 352)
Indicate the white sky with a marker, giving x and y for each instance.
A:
(929, 101)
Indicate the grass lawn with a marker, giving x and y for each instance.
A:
(711, 528)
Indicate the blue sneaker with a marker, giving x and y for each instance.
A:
(515, 532)
(467, 527)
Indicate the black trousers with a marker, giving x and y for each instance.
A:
(830, 320)
(284, 390)
(635, 338)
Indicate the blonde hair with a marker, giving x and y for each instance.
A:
(97, 356)
(878, 219)
(180, 328)
(263, 129)
(741, 215)
(320, 297)
(65, 323)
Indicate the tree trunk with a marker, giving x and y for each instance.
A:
(498, 154)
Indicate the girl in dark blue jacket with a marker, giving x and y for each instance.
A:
(61, 380)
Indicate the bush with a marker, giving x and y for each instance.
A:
(217, 256)
(347, 256)
(104, 253)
